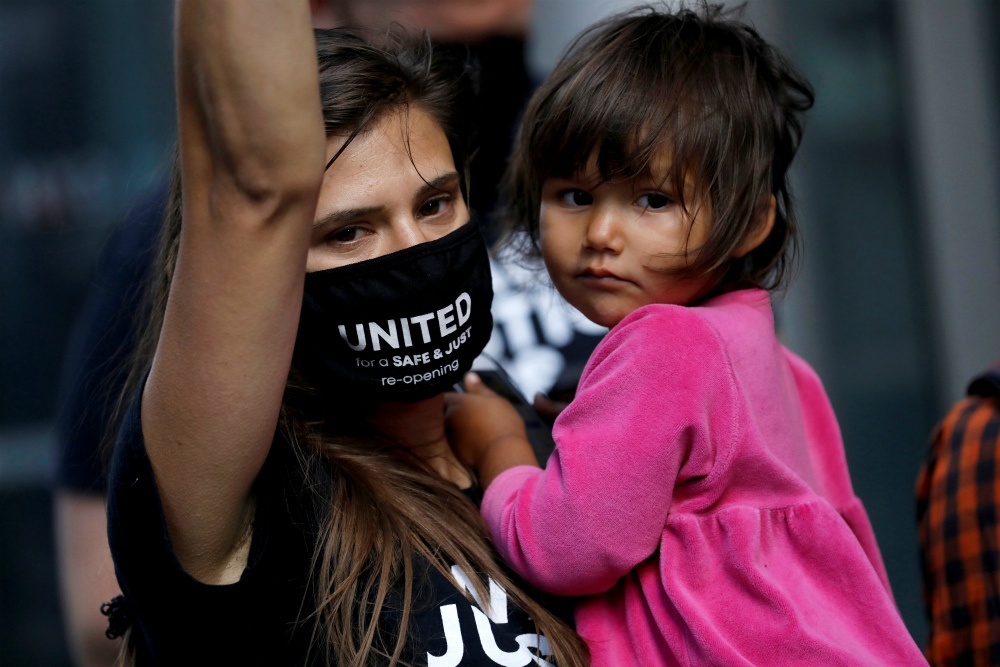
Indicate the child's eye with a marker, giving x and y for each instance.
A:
(434, 207)
(576, 197)
(654, 200)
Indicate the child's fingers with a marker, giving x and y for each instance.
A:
(472, 381)
(474, 385)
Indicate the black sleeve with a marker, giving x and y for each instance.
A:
(183, 621)
(96, 362)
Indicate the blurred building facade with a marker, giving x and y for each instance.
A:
(897, 306)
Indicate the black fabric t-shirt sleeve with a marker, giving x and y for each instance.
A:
(181, 620)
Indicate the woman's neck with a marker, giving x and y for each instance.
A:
(420, 427)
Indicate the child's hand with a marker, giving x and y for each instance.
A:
(486, 431)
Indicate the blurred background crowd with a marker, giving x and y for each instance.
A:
(898, 184)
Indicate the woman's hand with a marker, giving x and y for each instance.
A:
(486, 431)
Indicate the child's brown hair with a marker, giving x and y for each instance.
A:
(700, 83)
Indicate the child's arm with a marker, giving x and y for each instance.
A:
(486, 431)
(654, 406)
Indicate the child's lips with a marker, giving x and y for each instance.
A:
(600, 277)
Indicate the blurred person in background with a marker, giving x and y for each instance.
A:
(958, 501)
(98, 356)
(94, 371)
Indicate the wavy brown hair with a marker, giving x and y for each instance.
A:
(697, 82)
(379, 509)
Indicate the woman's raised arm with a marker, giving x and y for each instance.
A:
(252, 151)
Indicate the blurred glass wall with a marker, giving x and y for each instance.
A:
(86, 120)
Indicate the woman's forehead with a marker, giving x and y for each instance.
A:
(395, 157)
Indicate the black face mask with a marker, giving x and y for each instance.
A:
(400, 327)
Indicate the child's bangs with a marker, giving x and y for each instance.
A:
(623, 108)
(622, 143)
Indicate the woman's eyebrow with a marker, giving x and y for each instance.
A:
(347, 215)
(442, 182)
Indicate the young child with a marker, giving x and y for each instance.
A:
(698, 499)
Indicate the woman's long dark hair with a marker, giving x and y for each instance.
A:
(389, 508)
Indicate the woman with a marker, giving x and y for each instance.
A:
(278, 512)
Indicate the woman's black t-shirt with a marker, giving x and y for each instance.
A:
(263, 619)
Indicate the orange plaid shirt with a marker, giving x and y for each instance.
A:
(958, 503)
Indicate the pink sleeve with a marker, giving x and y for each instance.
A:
(826, 450)
(655, 398)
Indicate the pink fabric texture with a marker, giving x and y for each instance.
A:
(699, 498)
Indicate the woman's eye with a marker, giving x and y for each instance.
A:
(345, 235)
(653, 200)
(433, 207)
(576, 198)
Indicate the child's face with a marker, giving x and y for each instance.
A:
(608, 245)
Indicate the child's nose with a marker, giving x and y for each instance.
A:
(603, 232)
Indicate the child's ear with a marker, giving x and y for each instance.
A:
(765, 223)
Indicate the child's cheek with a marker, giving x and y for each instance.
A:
(543, 216)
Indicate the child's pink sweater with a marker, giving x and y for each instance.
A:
(699, 498)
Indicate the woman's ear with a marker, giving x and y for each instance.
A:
(765, 223)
